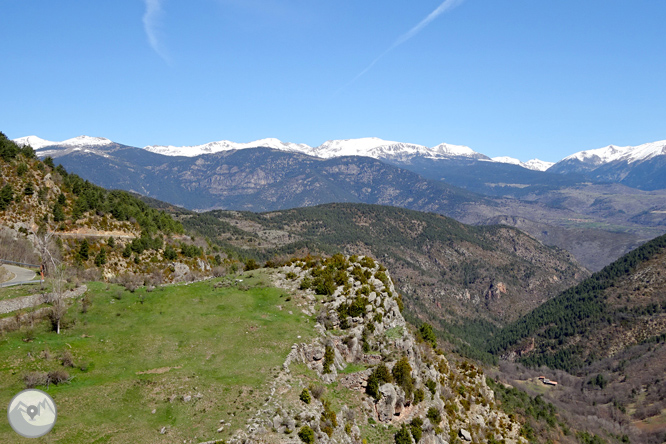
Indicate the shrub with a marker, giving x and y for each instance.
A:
(402, 373)
(432, 386)
(21, 169)
(170, 254)
(381, 276)
(307, 435)
(305, 396)
(367, 262)
(357, 307)
(402, 437)
(415, 428)
(357, 273)
(58, 376)
(33, 379)
(324, 285)
(451, 409)
(67, 359)
(380, 375)
(434, 416)
(341, 277)
(305, 283)
(418, 396)
(329, 357)
(428, 334)
(401, 305)
(251, 264)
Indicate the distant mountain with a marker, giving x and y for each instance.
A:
(259, 179)
(621, 306)
(642, 167)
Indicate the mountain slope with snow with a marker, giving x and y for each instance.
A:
(533, 164)
(592, 159)
(642, 166)
(367, 147)
(226, 145)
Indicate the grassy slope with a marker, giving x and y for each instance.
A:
(207, 337)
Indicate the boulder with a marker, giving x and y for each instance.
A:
(464, 434)
(386, 405)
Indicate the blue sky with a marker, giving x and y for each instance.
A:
(522, 78)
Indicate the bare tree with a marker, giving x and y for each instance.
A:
(55, 269)
(44, 240)
(57, 296)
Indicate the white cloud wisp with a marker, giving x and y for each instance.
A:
(445, 6)
(151, 21)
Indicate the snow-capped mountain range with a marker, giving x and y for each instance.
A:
(376, 148)
(368, 146)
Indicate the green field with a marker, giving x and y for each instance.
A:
(138, 352)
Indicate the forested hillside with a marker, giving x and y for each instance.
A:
(622, 305)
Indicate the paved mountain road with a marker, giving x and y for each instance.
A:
(20, 274)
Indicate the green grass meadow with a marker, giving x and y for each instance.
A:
(143, 351)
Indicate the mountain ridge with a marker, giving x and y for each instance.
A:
(586, 160)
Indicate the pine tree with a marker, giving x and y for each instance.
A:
(6, 197)
(100, 259)
(84, 250)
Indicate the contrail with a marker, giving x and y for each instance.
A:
(445, 6)
(150, 24)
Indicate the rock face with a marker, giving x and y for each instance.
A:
(387, 402)
(368, 361)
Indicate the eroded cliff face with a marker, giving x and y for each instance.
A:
(366, 376)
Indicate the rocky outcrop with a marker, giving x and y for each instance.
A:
(362, 334)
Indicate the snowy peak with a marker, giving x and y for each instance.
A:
(385, 149)
(448, 150)
(34, 141)
(367, 146)
(612, 153)
(85, 141)
(76, 142)
(225, 145)
(600, 155)
(533, 164)
(538, 165)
